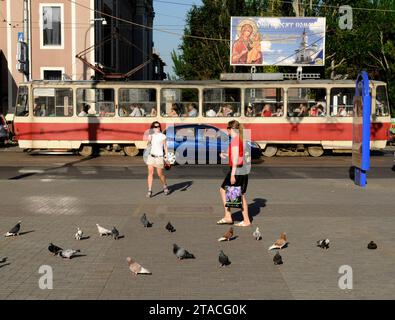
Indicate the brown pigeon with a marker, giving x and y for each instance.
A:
(136, 268)
(227, 236)
(280, 243)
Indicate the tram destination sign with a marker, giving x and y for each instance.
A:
(288, 41)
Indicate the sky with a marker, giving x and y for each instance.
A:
(170, 15)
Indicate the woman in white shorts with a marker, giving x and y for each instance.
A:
(155, 158)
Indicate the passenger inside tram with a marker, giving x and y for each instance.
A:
(266, 111)
(174, 111)
(153, 113)
(279, 112)
(250, 111)
(135, 111)
(192, 110)
(84, 110)
(227, 110)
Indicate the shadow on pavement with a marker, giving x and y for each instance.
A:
(69, 164)
(182, 186)
(254, 209)
(351, 173)
(7, 264)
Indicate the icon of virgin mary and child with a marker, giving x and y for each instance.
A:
(247, 48)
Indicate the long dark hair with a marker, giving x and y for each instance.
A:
(234, 124)
(153, 124)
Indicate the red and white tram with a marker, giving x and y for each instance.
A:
(310, 114)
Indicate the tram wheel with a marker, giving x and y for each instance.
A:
(131, 151)
(86, 151)
(270, 151)
(315, 151)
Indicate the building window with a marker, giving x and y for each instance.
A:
(52, 25)
(52, 75)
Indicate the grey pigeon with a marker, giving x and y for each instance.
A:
(169, 227)
(323, 244)
(181, 253)
(54, 249)
(372, 245)
(257, 234)
(145, 221)
(223, 259)
(14, 230)
(277, 259)
(115, 233)
(68, 253)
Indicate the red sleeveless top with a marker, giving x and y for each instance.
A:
(234, 142)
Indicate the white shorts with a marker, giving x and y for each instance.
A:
(157, 162)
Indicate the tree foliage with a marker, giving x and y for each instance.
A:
(369, 45)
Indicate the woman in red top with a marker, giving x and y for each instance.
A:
(237, 174)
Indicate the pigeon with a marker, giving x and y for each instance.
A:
(103, 231)
(223, 259)
(277, 259)
(115, 233)
(169, 227)
(14, 230)
(145, 221)
(54, 249)
(68, 253)
(181, 253)
(323, 244)
(136, 268)
(227, 236)
(372, 245)
(257, 234)
(280, 243)
(78, 235)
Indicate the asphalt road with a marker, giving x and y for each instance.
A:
(16, 165)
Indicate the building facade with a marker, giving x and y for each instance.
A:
(56, 31)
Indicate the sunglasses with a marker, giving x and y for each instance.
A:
(156, 126)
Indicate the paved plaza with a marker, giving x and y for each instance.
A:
(306, 209)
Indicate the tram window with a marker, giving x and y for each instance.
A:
(53, 102)
(342, 102)
(22, 105)
(137, 102)
(221, 102)
(95, 102)
(382, 108)
(177, 102)
(306, 102)
(264, 102)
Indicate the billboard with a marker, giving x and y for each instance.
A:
(260, 41)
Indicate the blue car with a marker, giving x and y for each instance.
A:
(201, 144)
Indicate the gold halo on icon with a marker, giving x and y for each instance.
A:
(244, 22)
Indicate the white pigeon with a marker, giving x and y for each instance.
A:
(136, 268)
(79, 234)
(68, 253)
(103, 231)
(257, 234)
